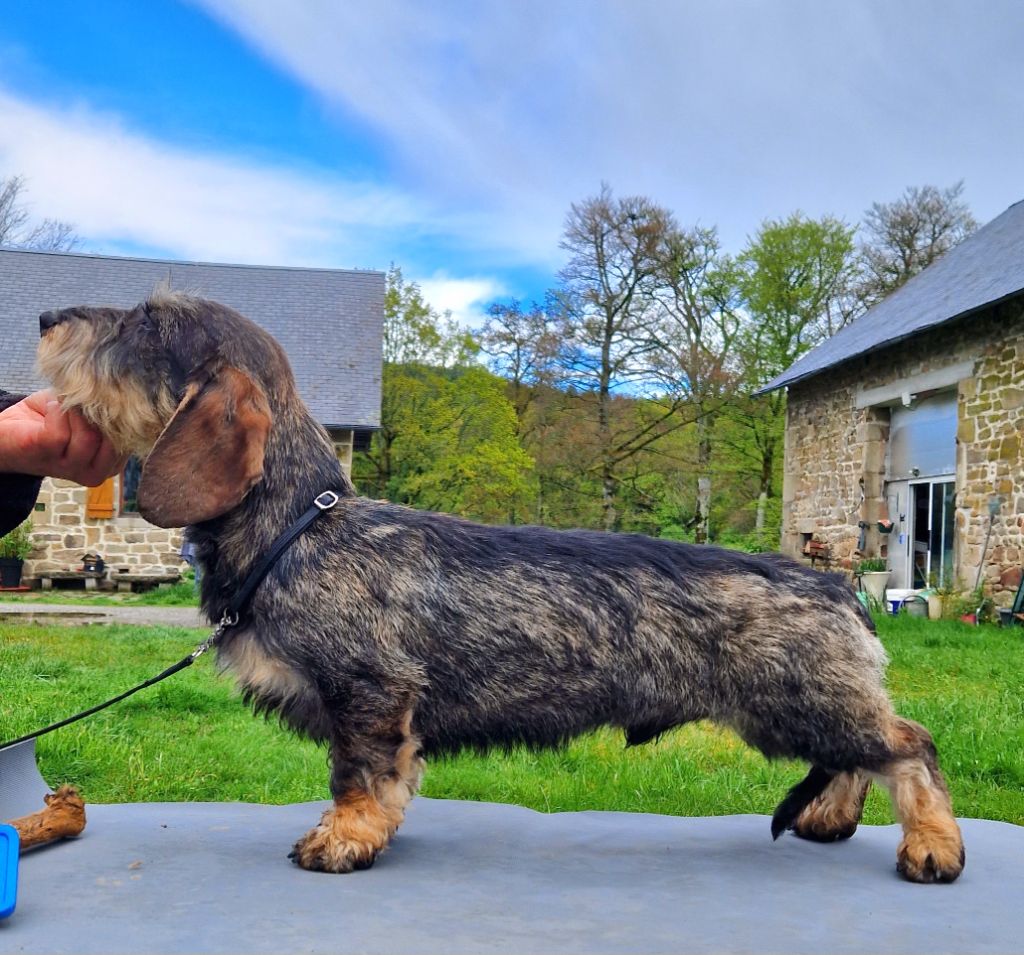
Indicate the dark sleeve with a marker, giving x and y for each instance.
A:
(18, 492)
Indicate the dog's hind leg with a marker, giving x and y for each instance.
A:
(835, 814)
(900, 755)
(854, 732)
(373, 777)
(932, 849)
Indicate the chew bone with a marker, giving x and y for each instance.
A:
(63, 817)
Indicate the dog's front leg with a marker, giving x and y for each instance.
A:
(374, 774)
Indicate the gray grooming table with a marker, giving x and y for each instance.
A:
(478, 877)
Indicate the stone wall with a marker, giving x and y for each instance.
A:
(990, 460)
(835, 450)
(127, 543)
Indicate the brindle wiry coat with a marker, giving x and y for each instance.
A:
(389, 633)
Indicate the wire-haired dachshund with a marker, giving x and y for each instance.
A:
(390, 634)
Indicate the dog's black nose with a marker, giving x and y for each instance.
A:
(47, 320)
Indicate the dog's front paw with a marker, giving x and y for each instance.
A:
(321, 850)
(936, 856)
(349, 837)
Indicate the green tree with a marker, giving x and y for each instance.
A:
(415, 336)
(448, 436)
(797, 276)
(458, 449)
(416, 333)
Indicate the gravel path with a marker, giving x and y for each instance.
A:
(82, 613)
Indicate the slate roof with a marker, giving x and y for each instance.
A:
(981, 271)
(329, 321)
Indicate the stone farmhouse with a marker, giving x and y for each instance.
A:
(914, 414)
(330, 322)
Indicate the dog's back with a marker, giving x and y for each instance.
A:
(528, 634)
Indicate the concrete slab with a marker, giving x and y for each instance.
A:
(478, 877)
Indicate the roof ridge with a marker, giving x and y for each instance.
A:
(154, 259)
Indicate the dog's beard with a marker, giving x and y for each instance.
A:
(80, 366)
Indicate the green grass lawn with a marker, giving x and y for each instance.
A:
(192, 739)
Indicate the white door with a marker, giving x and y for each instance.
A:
(921, 544)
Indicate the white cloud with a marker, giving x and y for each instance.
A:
(466, 299)
(495, 118)
(120, 188)
(127, 193)
(728, 112)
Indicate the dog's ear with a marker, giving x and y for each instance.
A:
(210, 453)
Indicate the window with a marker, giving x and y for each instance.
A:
(922, 439)
(130, 478)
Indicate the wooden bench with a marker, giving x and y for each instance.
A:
(91, 577)
(126, 581)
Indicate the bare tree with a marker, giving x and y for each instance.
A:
(699, 296)
(522, 347)
(50, 235)
(608, 322)
(907, 235)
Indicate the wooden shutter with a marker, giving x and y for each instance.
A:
(99, 501)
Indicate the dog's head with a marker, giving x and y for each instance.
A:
(183, 383)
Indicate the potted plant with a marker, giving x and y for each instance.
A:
(938, 595)
(970, 606)
(15, 546)
(873, 575)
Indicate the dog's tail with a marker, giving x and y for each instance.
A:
(798, 798)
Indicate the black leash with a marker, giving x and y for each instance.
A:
(230, 618)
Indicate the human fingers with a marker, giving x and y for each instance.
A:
(56, 434)
(83, 444)
(106, 462)
(39, 400)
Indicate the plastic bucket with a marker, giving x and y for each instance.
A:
(916, 606)
(9, 848)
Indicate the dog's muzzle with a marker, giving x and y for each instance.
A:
(49, 320)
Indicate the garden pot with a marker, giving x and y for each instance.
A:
(10, 571)
(934, 607)
(873, 583)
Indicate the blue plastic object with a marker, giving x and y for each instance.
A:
(8, 870)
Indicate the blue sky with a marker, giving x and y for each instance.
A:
(451, 137)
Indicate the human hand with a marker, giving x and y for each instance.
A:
(37, 437)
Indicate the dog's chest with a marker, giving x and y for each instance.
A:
(261, 675)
